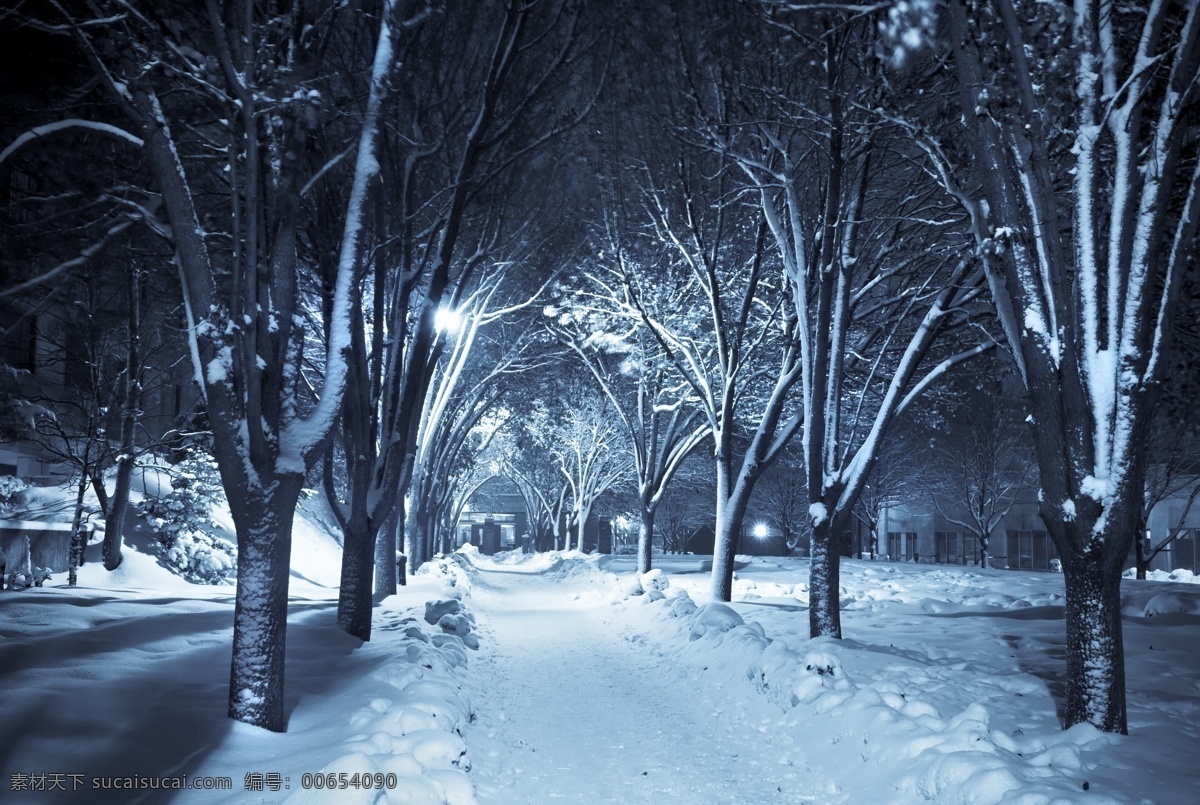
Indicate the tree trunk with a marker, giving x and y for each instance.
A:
(423, 528)
(1141, 562)
(385, 551)
(581, 519)
(264, 533)
(414, 544)
(645, 546)
(730, 514)
(358, 566)
(78, 538)
(118, 505)
(1095, 654)
(824, 589)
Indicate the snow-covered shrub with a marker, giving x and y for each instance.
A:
(1168, 604)
(182, 520)
(10, 487)
(654, 580)
(201, 557)
(21, 580)
(436, 610)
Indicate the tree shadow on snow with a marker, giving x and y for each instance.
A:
(127, 633)
(706, 566)
(318, 655)
(1045, 660)
(773, 605)
(167, 715)
(1042, 655)
(1046, 613)
(161, 722)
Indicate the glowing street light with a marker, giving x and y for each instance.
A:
(447, 320)
(760, 530)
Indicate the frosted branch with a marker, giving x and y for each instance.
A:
(63, 125)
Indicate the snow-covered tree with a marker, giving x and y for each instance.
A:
(95, 359)
(543, 489)
(586, 444)
(462, 416)
(483, 92)
(652, 401)
(898, 475)
(981, 469)
(74, 284)
(686, 506)
(701, 283)
(871, 280)
(220, 101)
(782, 495)
(1071, 146)
(1172, 473)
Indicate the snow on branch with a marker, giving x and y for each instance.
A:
(62, 125)
(62, 268)
(940, 370)
(301, 436)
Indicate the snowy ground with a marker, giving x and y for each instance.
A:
(123, 680)
(944, 689)
(585, 689)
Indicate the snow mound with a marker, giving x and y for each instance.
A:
(1167, 604)
(647, 587)
(713, 619)
(654, 580)
(436, 610)
(1180, 575)
(452, 573)
(682, 606)
(575, 564)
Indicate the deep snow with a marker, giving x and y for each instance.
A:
(592, 685)
(944, 689)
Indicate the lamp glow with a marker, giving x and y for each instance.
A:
(447, 320)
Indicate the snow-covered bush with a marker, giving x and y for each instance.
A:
(21, 580)
(10, 487)
(182, 520)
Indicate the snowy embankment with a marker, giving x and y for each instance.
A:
(126, 676)
(945, 688)
(391, 712)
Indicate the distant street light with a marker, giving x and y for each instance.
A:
(760, 530)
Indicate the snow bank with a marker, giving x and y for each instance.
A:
(451, 573)
(1165, 603)
(552, 565)
(410, 725)
(403, 721)
(901, 723)
(1181, 576)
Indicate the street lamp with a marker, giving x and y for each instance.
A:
(447, 320)
(760, 530)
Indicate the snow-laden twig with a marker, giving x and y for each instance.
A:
(45, 129)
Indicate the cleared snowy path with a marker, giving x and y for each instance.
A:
(569, 710)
